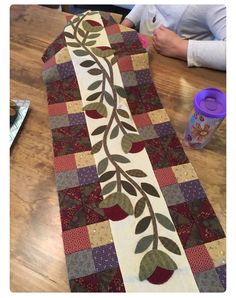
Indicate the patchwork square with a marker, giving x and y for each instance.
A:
(172, 195)
(199, 259)
(51, 62)
(71, 90)
(57, 109)
(164, 129)
(130, 37)
(115, 38)
(105, 281)
(84, 159)
(165, 177)
(156, 155)
(80, 264)
(129, 78)
(62, 56)
(113, 29)
(74, 106)
(87, 175)
(192, 190)
(55, 92)
(87, 283)
(64, 163)
(221, 272)
(105, 257)
(151, 104)
(196, 223)
(148, 91)
(142, 120)
(76, 240)
(51, 74)
(125, 64)
(59, 121)
(77, 118)
(65, 70)
(143, 76)
(80, 206)
(147, 132)
(173, 150)
(158, 116)
(100, 234)
(217, 251)
(67, 179)
(209, 281)
(140, 61)
(184, 172)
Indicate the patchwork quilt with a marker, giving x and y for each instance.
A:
(134, 215)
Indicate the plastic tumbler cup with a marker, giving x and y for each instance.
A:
(209, 111)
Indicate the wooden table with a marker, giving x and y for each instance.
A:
(37, 256)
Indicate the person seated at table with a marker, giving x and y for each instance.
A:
(194, 33)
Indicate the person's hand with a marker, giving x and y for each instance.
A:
(127, 23)
(168, 43)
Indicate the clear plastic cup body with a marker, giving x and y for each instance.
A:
(200, 129)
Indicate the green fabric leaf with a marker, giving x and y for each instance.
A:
(113, 60)
(139, 207)
(120, 158)
(99, 130)
(165, 221)
(122, 113)
(106, 176)
(120, 199)
(80, 53)
(128, 126)
(69, 35)
(128, 140)
(109, 99)
(95, 71)
(128, 187)
(97, 106)
(75, 20)
(87, 63)
(151, 260)
(73, 44)
(96, 147)
(94, 85)
(91, 26)
(142, 224)
(120, 91)
(93, 96)
(81, 32)
(114, 132)
(102, 165)
(90, 43)
(151, 190)
(91, 36)
(136, 173)
(170, 245)
(102, 53)
(143, 244)
(108, 188)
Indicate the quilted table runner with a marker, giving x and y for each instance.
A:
(134, 215)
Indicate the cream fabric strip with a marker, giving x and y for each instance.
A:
(123, 231)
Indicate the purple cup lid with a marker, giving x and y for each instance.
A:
(210, 102)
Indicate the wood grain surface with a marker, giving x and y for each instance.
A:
(37, 256)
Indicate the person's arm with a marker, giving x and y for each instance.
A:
(134, 17)
(212, 53)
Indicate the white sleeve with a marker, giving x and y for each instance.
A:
(211, 53)
(135, 14)
(207, 53)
